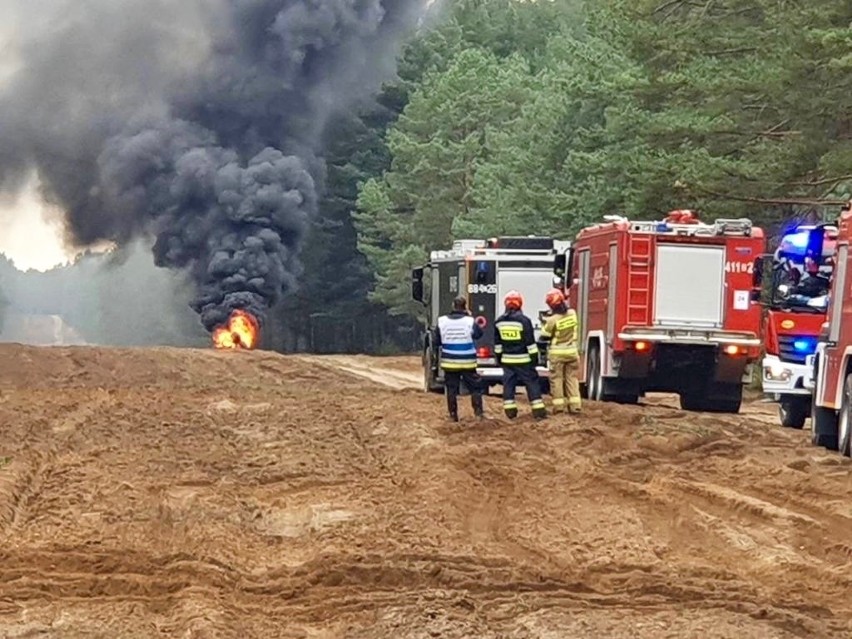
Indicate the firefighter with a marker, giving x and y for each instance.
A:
(455, 335)
(560, 335)
(517, 352)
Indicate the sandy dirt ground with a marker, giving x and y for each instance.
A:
(186, 493)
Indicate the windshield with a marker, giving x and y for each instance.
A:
(802, 273)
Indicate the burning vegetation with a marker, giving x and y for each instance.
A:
(241, 332)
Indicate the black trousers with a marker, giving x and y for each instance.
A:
(452, 385)
(528, 376)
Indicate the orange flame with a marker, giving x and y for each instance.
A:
(242, 331)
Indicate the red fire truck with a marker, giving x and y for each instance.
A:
(795, 294)
(666, 306)
(832, 400)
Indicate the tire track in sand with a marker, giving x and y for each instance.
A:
(389, 377)
(23, 479)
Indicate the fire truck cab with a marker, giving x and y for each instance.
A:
(665, 306)
(484, 271)
(793, 285)
(831, 414)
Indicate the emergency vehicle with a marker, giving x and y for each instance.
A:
(666, 306)
(794, 292)
(483, 271)
(831, 414)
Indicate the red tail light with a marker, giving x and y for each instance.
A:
(733, 349)
(483, 352)
(641, 346)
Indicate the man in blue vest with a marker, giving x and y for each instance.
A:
(455, 335)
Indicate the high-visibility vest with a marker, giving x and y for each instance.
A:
(458, 350)
(515, 344)
(561, 330)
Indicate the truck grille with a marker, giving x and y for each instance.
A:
(796, 348)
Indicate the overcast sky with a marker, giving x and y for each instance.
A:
(25, 236)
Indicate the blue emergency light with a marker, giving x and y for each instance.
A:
(804, 345)
(798, 240)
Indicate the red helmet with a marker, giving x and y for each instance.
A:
(554, 298)
(513, 301)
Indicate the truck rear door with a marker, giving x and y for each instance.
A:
(689, 288)
(531, 282)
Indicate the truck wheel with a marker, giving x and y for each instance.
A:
(793, 411)
(714, 398)
(823, 427)
(725, 398)
(844, 421)
(429, 383)
(593, 374)
(692, 401)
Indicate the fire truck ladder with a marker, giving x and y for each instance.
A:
(740, 226)
(481, 249)
(639, 278)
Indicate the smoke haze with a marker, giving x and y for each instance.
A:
(194, 122)
(113, 299)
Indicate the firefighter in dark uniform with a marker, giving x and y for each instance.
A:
(517, 353)
(455, 334)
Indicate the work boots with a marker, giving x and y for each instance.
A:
(478, 411)
(453, 406)
(538, 410)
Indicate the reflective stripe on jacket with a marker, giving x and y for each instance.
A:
(560, 330)
(514, 339)
(455, 334)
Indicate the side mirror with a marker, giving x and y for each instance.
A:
(560, 265)
(417, 285)
(757, 278)
(757, 272)
(563, 265)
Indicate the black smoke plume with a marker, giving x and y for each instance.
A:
(193, 121)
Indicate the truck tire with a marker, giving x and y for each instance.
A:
(594, 379)
(725, 398)
(844, 421)
(692, 401)
(823, 427)
(714, 398)
(599, 388)
(793, 411)
(430, 385)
